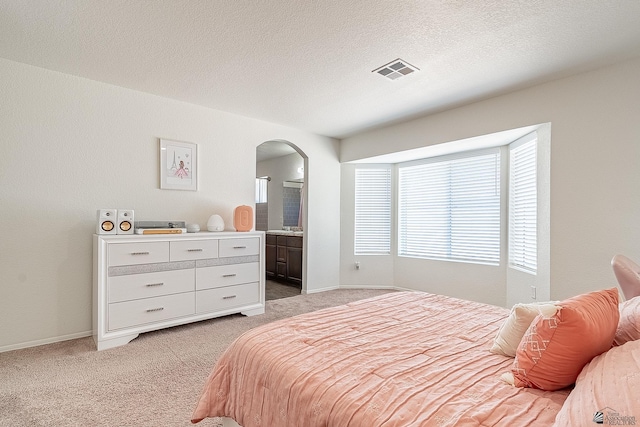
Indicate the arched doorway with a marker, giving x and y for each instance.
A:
(281, 211)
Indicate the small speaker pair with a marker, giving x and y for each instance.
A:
(115, 221)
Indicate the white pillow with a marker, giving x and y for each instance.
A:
(513, 329)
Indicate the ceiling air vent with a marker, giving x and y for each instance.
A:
(396, 69)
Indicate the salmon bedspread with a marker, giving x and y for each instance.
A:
(400, 359)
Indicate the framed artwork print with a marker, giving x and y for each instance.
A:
(178, 165)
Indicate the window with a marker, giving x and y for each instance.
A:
(373, 211)
(523, 204)
(449, 208)
(261, 189)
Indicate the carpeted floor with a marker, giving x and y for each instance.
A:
(155, 380)
(277, 290)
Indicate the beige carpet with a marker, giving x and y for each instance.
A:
(153, 381)
(276, 290)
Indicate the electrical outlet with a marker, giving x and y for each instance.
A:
(533, 292)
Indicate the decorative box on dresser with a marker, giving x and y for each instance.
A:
(147, 282)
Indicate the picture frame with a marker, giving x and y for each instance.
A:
(178, 165)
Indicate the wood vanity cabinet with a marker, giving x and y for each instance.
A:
(284, 258)
(281, 257)
(270, 256)
(294, 259)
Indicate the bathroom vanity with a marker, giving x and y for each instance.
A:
(283, 256)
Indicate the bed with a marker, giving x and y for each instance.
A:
(418, 359)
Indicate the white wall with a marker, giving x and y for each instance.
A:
(595, 147)
(280, 169)
(70, 146)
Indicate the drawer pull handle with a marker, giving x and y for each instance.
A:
(194, 250)
(229, 275)
(139, 253)
(154, 284)
(239, 247)
(155, 309)
(229, 297)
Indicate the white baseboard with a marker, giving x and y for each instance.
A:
(381, 287)
(51, 340)
(318, 290)
(332, 288)
(400, 288)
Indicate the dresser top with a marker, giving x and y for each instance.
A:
(182, 236)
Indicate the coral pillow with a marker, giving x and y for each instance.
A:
(554, 350)
(629, 325)
(513, 329)
(606, 388)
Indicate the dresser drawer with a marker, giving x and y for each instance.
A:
(226, 275)
(150, 310)
(238, 247)
(138, 253)
(194, 249)
(219, 299)
(146, 285)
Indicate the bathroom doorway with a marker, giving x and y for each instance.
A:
(281, 213)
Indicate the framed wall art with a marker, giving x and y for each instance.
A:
(178, 165)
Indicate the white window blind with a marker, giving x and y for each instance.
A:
(373, 211)
(261, 190)
(523, 206)
(449, 208)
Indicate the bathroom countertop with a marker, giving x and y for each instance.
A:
(285, 233)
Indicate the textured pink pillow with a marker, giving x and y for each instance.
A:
(629, 325)
(554, 350)
(607, 387)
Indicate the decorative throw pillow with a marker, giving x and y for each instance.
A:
(554, 349)
(606, 390)
(512, 330)
(629, 325)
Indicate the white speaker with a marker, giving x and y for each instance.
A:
(125, 221)
(106, 221)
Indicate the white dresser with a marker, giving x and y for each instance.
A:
(147, 282)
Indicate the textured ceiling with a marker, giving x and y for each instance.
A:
(308, 64)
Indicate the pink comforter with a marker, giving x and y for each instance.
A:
(400, 359)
